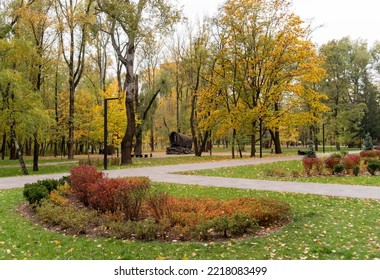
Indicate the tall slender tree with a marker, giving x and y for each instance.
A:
(74, 18)
(134, 19)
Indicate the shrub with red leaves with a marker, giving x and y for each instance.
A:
(309, 163)
(81, 177)
(119, 194)
(331, 162)
(370, 154)
(350, 161)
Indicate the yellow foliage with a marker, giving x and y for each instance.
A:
(265, 69)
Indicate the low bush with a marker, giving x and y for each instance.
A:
(71, 218)
(80, 179)
(57, 198)
(331, 162)
(226, 226)
(373, 166)
(146, 230)
(200, 215)
(370, 154)
(121, 230)
(310, 163)
(278, 172)
(337, 155)
(49, 184)
(158, 205)
(338, 168)
(119, 194)
(356, 170)
(35, 192)
(350, 161)
(126, 208)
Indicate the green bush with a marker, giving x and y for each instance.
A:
(373, 166)
(146, 230)
(121, 230)
(35, 193)
(338, 168)
(70, 218)
(49, 184)
(356, 170)
(226, 226)
(337, 155)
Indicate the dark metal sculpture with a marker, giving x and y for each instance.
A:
(179, 144)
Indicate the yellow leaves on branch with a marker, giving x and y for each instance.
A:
(265, 68)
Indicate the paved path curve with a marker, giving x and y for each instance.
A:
(164, 174)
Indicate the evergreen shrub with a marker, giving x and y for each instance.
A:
(373, 166)
(35, 192)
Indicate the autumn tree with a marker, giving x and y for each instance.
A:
(196, 64)
(18, 115)
(347, 65)
(269, 64)
(35, 24)
(74, 18)
(134, 19)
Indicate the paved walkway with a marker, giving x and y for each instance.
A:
(164, 174)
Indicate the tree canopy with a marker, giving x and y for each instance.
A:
(250, 69)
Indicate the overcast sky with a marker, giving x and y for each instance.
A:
(357, 19)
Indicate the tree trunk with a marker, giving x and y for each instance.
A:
(36, 150)
(193, 124)
(127, 141)
(253, 140)
(152, 134)
(28, 147)
(70, 140)
(276, 140)
(233, 143)
(138, 144)
(12, 150)
(18, 151)
(3, 146)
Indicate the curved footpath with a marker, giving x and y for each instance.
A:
(165, 174)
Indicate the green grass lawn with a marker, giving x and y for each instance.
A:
(260, 171)
(15, 169)
(322, 228)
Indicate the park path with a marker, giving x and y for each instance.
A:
(165, 174)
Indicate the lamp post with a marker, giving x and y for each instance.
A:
(106, 130)
(323, 137)
(261, 137)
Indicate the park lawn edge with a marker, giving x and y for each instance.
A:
(323, 228)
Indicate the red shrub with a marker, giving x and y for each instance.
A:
(158, 205)
(330, 162)
(81, 177)
(370, 154)
(309, 163)
(121, 194)
(131, 196)
(350, 161)
(102, 194)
